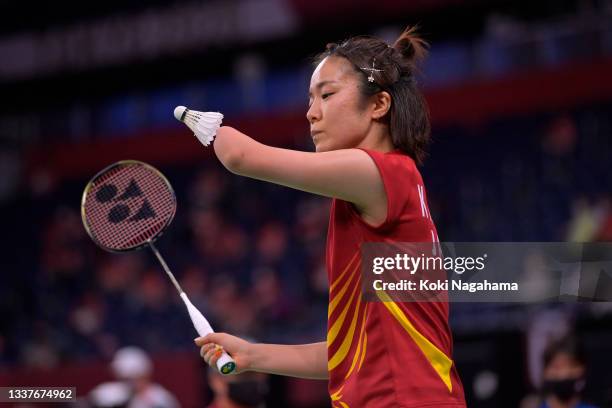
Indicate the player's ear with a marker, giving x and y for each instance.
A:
(382, 104)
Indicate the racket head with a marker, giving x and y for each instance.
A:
(127, 205)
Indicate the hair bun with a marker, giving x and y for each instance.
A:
(412, 47)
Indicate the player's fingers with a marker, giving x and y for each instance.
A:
(209, 338)
(211, 354)
(210, 349)
(208, 355)
(205, 349)
(216, 354)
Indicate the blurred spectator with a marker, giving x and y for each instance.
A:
(195, 282)
(588, 221)
(135, 389)
(116, 275)
(271, 243)
(206, 227)
(546, 325)
(155, 307)
(564, 375)
(560, 137)
(605, 229)
(311, 218)
(246, 390)
(86, 322)
(153, 290)
(232, 248)
(271, 302)
(207, 189)
(64, 255)
(110, 395)
(275, 250)
(39, 351)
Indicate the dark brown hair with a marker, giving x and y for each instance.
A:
(568, 345)
(408, 117)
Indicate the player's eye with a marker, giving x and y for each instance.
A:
(326, 95)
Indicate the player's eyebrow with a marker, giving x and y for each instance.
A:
(321, 85)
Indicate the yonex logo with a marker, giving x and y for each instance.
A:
(228, 368)
(121, 211)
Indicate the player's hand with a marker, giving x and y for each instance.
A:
(213, 345)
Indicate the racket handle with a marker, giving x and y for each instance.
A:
(225, 364)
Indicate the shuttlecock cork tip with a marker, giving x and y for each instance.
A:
(179, 111)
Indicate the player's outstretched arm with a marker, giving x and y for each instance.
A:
(348, 174)
(301, 360)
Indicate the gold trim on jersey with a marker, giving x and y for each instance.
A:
(440, 362)
(339, 278)
(336, 399)
(347, 342)
(360, 350)
(338, 297)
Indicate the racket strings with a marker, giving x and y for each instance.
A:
(128, 205)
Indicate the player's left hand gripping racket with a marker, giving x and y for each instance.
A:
(127, 206)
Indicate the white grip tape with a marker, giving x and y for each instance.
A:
(199, 321)
(225, 364)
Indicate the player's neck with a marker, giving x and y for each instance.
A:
(378, 139)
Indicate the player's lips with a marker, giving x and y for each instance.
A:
(313, 133)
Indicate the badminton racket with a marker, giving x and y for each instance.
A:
(127, 206)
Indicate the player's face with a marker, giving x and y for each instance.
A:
(338, 118)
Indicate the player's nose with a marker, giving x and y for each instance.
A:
(314, 113)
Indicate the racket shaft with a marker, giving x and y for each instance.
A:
(164, 265)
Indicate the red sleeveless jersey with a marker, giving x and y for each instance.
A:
(386, 354)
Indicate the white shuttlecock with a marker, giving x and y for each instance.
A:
(203, 124)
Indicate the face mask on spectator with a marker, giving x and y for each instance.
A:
(564, 389)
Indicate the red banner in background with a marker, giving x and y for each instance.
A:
(522, 93)
(311, 11)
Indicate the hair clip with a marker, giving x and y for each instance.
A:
(372, 70)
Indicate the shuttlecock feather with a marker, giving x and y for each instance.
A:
(203, 124)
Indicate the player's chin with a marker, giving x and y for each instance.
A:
(321, 146)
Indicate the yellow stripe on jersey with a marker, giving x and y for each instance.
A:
(338, 297)
(359, 345)
(347, 342)
(336, 395)
(333, 331)
(440, 362)
(363, 353)
(337, 280)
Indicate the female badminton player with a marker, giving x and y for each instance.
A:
(370, 126)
